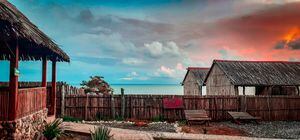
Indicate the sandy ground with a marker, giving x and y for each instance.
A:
(278, 129)
(213, 128)
(125, 134)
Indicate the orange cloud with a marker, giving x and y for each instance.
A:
(255, 36)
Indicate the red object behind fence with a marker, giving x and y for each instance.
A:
(173, 103)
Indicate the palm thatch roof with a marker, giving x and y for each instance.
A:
(16, 29)
(198, 72)
(260, 73)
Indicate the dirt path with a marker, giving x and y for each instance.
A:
(213, 128)
(125, 134)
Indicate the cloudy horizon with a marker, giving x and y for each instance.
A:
(147, 42)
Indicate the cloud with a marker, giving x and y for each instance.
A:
(158, 43)
(157, 49)
(179, 66)
(167, 70)
(175, 72)
(280, 44)
(132, 61)
(134, 76)
(127, 78)
(294, 44)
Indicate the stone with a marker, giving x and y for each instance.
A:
(24, 128)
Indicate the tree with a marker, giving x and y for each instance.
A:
(97, 85)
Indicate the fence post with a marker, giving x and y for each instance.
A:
(122, 103)
(62, 100)
(113, 112)
(86, 107)
(243, 103)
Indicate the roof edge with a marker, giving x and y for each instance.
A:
(255, 61)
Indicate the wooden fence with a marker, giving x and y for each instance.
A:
(147, 107)
(4, 103)
(32, 97)
(30, 100)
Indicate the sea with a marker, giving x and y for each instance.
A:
(152, 89)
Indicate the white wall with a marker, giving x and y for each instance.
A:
(248, 90)
(203, 90)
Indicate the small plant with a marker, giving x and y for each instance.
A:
(53, 129)
(159, 118)
(101, 133)
(119, 118)
(71, 119)
(182, 122)
(99, 116)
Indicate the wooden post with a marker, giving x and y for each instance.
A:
(13, 84)
(113, 111)
(52, 110)
(62, 99)
(243, 103)
(44, 72)
(86, 107)
(244, 90)
(122, 103)
(269, 110)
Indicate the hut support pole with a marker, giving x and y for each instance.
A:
(13, 84)
(53, 90)
(44, 72)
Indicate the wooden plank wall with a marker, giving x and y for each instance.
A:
(4, 103)
(147, 107)
(31, 100)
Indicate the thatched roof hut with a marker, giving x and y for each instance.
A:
(22, 40)
(199, 73)
(227, 75)
(267, 73)
(16, 29)
(194, 80)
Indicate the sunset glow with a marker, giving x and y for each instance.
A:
(145, 42)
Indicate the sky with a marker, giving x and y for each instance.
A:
(153, 42)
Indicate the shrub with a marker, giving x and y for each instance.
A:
(119, 118)
(159, 118)
(99, 116)
(70, 119)
(101, 133)
(182, 122)
(53, 129)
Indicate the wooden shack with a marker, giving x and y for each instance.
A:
(23, 111)
(253, 78)
(193, 81)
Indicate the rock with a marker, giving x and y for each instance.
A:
(24, 128)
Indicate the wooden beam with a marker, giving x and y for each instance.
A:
(44, 72)
(13, 84)
(52, 110)
(243, 90)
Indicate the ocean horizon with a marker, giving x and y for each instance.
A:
(155, 89)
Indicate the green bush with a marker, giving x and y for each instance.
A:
(119, 118)
(70, 119)
(99, 116)
(159, 118)
(53, 129)
(182, 122)
(101, 133)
